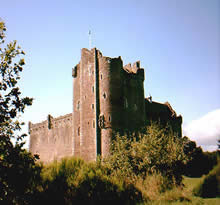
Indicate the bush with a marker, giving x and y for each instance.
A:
(19, 176)
(72, 181)
(152, 186)
(210, 185)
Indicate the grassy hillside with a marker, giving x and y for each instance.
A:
(184, 196)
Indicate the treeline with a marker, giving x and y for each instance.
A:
(200, 162)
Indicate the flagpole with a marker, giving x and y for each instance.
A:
(90, 40)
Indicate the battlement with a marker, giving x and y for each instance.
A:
(37, 126)
(135, 69)
(51, 123)
(132, 68)
(62, 120)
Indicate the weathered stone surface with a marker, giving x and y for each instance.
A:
(106, 97)
(53, 142)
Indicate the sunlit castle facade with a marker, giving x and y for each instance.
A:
(107, 97)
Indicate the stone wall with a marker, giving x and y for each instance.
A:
(134, 105)
(110, 98)
(84, 106)
(163, 114)
(52, 138)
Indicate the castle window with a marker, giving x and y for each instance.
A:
(93, 123)
(125, 103)
(93, 106)
(85, 96)
(89, 70)
(93, 89)
(135, 107)
(101, 76)
(78, 131)
(109, 118)
(104, 95)
(78, 105)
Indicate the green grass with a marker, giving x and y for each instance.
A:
(190, 183)
(184, 196)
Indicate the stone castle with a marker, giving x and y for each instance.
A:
(106, 97)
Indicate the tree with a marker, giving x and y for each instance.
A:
(200, 162)
(154, 149)
(18, 171)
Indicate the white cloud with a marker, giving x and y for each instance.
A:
(205, 130)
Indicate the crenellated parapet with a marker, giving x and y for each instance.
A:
(62, 121)
(51, 123)
(132, 68)
(135, 70)
(37, 126)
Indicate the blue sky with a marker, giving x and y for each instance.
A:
(177, 42)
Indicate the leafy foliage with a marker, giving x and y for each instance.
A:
(72, 181)
(18, 171)
(139, 168)
(200, 162)
(152, 150)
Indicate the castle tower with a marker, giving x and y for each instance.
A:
(134, 103)
(102, 101)
(110, 98)
(84, 106)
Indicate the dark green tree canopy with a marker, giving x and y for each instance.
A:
(18, 171)
(11, 102)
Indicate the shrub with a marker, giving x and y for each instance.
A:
(72, 181)
(152, 186)
(19, 176)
